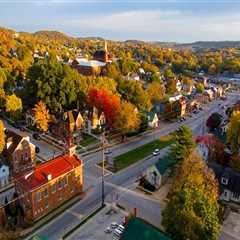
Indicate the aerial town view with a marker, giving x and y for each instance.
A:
(119, 120)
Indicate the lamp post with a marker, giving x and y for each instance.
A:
(103, 167)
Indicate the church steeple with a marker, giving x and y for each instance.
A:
(105, 46)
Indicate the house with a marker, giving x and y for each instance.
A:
(50, 184)
(175, 107)
(133, 77)
(229, 183)
(203, 143)
(19, 152)
(4, 175)
(139, 229)
(158, 173)
(68, 124)
(153, 121)
(97, 119)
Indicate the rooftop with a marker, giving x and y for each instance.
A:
(49, 170)
(138, 229)
(90, 63)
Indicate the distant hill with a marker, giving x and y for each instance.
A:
(201, 44)
(53, 35)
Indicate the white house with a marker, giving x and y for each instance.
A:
(4, 175)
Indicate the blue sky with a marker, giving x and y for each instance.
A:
(162, 20)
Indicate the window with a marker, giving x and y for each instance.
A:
(64, 181)
(224, 181)
(38, 196)
(59, 184)
(54, 188)
(45, 193)
(46, 204)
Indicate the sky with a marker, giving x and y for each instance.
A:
(149, 20)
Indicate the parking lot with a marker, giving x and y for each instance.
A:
(95, 228)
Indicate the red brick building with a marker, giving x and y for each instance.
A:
(50, 184)
(19, 152)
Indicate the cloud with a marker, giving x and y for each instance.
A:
(160, 25)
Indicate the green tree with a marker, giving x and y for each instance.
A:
(192, 211)
(53, 83)
(134, 92)
(183, 144)
(2, 137)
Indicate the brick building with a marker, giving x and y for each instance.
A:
(19, 152)
(50, 184)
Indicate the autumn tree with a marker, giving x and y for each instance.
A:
(233, 133)
(41, 116)
(235, 162)
(171, 86)
(105, 102)
(199, 88)
(192, 211)
(156, 92)
(13, 105)
(128, 119)
(183, 144)
(2, 137)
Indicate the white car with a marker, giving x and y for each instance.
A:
(156, 152)
(114, 225)
(107, 151)
(108, 230)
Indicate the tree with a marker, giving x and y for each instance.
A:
(235, 162)
(133, 91)
(183, 144)
(199, 88)
(171, 87)
(192, 211)
(128, 119)
(2, 137)
(41, 116)
(53, 83)
(105, 102)
(233, 133)
(13, 105)
(156, 92)
(214, 121)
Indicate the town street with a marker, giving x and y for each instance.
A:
(120, 182)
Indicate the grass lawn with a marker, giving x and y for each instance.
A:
(88, 140)
(133, 156)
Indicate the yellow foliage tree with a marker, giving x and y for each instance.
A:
(128, 119)
(233, 133)
(42, 116)
(156, 92)
(13, 105)
(2, 136)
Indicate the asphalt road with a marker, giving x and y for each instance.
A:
(120, 182)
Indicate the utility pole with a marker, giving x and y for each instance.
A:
(103, 166)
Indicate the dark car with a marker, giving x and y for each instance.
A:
(37, 149)
(36, 136)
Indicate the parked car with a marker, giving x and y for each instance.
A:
(36, 136)
(156, 152)
(108, 151)
(114, 225)
(37, 149)
(108, 230)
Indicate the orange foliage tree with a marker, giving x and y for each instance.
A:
(105, 102)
